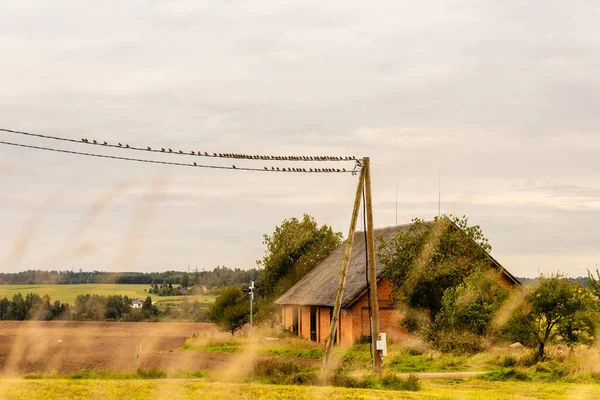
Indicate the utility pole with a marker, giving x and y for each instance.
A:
(348, 251)
(372, 267)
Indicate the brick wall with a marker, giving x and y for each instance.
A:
(389, 316)
(354, 321)
(346, 327)
(305, 322)
(324, 325)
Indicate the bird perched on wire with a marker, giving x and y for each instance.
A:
(163, 149)
(120, 145)
(105, 143)
(193, 153)
(180, 152)
(149, 148)
(95, 142)
(170, 150)
(126, 145)
(233, 166)
(195, 163)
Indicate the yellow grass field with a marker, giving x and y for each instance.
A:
(68, 293)
(49, 389)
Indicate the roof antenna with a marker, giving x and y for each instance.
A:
(396, 202)
(439, 193)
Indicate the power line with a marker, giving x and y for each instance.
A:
(193, 165)
(169, 150)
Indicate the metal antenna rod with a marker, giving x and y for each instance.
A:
(439, 193)
(396, 203)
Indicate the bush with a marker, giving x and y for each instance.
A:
(458, 342)
(510, 374)
(392, 382)
(341, 378)
(284, 373)
(508, 361)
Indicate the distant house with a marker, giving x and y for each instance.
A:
(137, 303)
(307, 307)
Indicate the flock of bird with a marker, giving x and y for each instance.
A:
(230, 155)
(245, 156)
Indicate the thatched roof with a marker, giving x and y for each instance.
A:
(319, 286)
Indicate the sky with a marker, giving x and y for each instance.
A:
(501, 98)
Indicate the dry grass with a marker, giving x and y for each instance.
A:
(194, 389)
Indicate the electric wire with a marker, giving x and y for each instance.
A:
(192, 165)
(170, 150)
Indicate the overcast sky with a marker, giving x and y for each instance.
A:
(502, 97)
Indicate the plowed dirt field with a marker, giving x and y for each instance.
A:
(66, 347)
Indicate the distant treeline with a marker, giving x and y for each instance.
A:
(94, 308)
(218, 277)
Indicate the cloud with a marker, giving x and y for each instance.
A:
(501, 99)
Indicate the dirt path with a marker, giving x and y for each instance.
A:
(438, 375)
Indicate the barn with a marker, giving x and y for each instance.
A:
(307, 307)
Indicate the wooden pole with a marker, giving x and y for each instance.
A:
(372, 267)
(345, 262)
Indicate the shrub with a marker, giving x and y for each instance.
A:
(458, 342)
(510, 374)
(508, 361)
(284, 373)
(392, 382)
(342, 378)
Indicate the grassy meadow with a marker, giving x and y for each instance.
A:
(141, 389)
(68, 293)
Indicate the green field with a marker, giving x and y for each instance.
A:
(68, 293)
(199, 389)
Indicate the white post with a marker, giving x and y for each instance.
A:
(251, 298)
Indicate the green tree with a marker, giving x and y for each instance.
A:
(147, 306)
(185, 280)
(554, 308)
(594, 285)
(471, 306)
(431, 257)
(18, 309)
(4, 309)
(293, 250)
(231, 309)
